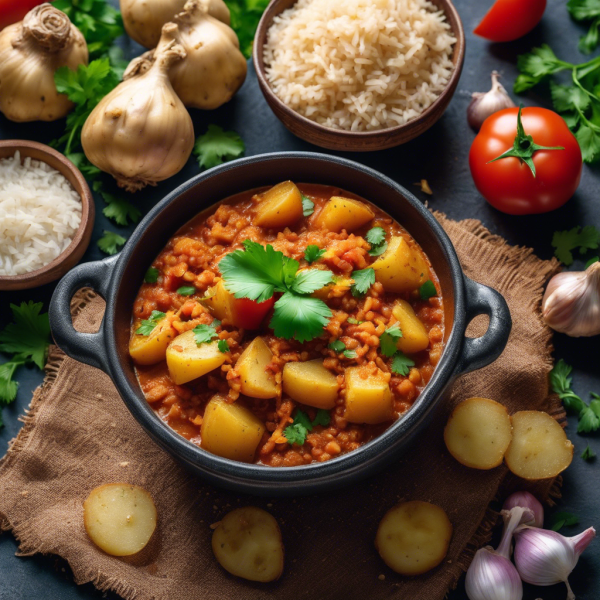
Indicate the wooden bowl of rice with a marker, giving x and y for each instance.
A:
(359, 75)
(16, 196)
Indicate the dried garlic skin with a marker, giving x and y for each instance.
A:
(30, 53)
(144, 19)
(140, 132)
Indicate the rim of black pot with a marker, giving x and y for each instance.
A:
(357, 459)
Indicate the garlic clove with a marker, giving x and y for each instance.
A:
(492, 577)
(485, 104)
(526, 500)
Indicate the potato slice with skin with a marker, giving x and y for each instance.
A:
(119, 518)
(256, 381)
(539, 448)
(247, 543)
(230, 430)
(280, 206)
(400, 268)
(368, 397)
(310, 383)
(151, 349)
(187, 361)
(478, 433)
(414, 335)
(344, 213)
(413, 537)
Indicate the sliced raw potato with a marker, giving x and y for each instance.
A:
(247, 543)
(413, 537)
(310, 383)
(478, 433)
(280, 206)
(150, 349)
(230, 430)
(368, 397)
(251, 366)
(401, 268)
(119, 518)
(186, 360)
(414, 335)
(344, 213)
(539, 448)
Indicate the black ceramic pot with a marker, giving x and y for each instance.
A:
(117, 280)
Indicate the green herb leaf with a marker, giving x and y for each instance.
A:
(296, 433)
(592, 260)
(584, 239)
(223, 346)
(216, 146)
(389, 339)
(308, 206)
(376, 237)
(561, 385)
(245, 15)
(588, 454)
(563, 519)
(186, 290)
(427, 290)
(147, 325)
(363, 280)
(151, 275)
(299, 317)
(206, 333)
(354, 321)
(110, 242)
(121, 211)
(536, 65)
(322, 418)
(350, 354)
(8, 387)
(401, 364)
(313, 253)
(337, 346)
(310, 281)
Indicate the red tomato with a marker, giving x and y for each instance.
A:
(249, 313)
(508, 184)
(13, 11)
(509, 20)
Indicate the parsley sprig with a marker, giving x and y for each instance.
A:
(562, 519)
(584, 239)
(313, 253)
(388, 340)
(376, 237)
(206, 333)
(308, 206)
(363, 280)
(111, 242)
(245, 15)
(586, 11)
(296, 432)
(147, 325)
(216, 146)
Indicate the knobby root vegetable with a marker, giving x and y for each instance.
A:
(141, 133)
(144, 19)
(30, 53)
(214, 69)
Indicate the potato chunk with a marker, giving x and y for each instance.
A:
(414, 335)
(230, 430)
(478, 433)
(368, 397)
(310, 383)
(539, 448)
(280, 206)
(256, 381)
(344, 213)
(220, 302)
(413, 537)
(186, 360)
(150, 349)
(401, 268)
(247, 543)
(119, 518)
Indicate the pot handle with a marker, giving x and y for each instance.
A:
(480, 352)
(85, 347)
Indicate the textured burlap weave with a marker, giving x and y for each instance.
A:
(78, 435)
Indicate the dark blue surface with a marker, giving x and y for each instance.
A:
(440, 156)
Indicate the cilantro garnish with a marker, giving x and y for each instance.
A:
(223, 346)
(563, 519)
(299, 317)
(322, 418)
(121, 211)
(147, 325)
(151, 275)
(427, 290)
(337, 346)
(401, 363)
(363, 280)
(216, 146)
(588, 454)
(206, 333)
(586, 10)
(186, 290)
(110, 242)
(308, 206)
(388, 340)
(310, 281)
(586, 238)
(296, 432)
(350, 354)
(313, 253)
(245, 15)
(376, 237)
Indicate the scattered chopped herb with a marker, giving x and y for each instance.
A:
(296, 432)
(388, 340)
(363, 280)
(563, 519)
(350, 354)
(401, 363)
(186, 290)
(584, 239)
(586, 10)
(322, 418)
(110, 242)
(427, 290)
(216, 146)
(147, 325)
(313, 253)
(308, 206)
(245, 15)
(223, 346)
(151, 275)
(337, 346)
(206, 333)
(121, 211)
(588, 453)
(376, 237)
(354, 321)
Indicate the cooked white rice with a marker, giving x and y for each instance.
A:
(359, 65)
(39, 215)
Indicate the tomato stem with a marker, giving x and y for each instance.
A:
(524, 146)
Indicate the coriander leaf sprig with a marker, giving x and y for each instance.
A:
(564, 242)
(296, 432)
(216, 145)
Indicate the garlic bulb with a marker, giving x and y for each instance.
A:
(214, 69)
(526, 500)
(141, 133)
(485, 104)
(30, 53)
(546, 557)
(144, 19)
(571, 303)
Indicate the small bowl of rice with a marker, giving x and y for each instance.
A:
(46, 214)
(359, 75)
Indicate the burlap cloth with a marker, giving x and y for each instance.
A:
(78, 435)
